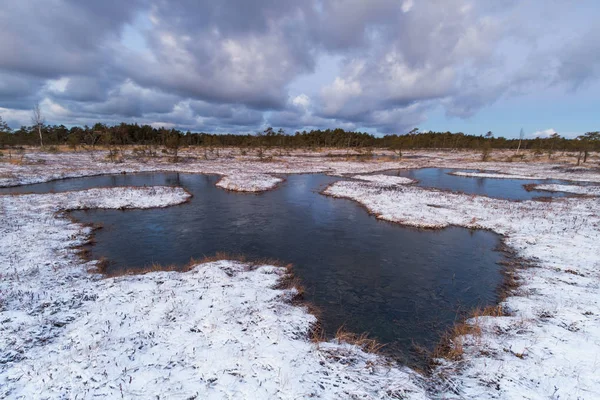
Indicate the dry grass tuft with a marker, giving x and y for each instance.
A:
(140, 271)
(16, 161)
(286, 282)
(223, 256)
(102, 266)
(489, 311)
(573, 272)
(451, 345)
(316, 333)
(289, 281)
(218, 256)
(83, 253)
(544, 199)
(363, 341)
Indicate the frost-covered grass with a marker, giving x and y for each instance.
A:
(548, 346)
(221, 330)
(385, 179)
(575, 189)
(243, 172)
(249, 182)
(36, 167)
(492, 175)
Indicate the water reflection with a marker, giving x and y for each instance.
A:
(511, 189)
(402, 285)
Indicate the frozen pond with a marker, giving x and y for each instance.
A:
(402, 285)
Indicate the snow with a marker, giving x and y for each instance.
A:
(549, 345)
(239, 172)
(585, 190)
(220, 330)
(385, 179)
(36, 167)
(249, 182)
(491, 175)
(120, 197)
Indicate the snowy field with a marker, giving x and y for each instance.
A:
(223, 330)
(35, 167)
(491, 175)
(385, 180)
(575, 189)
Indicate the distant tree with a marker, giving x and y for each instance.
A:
(108, 139)
(92, 137)
(4, 133)
(38, 121)
(396, 145)
(486, 148)
(73, 141)
(3, 126)
(553, 139)
(412, 135)
(588, 141)
(172, 142)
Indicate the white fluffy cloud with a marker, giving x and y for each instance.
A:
(546, 133)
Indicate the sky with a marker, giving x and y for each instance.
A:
(379, 66)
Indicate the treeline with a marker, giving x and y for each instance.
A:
(134, 134)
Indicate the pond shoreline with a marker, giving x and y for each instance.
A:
(31, 365)
(536, 308)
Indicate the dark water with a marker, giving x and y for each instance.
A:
(511, 189)
(402, 285)
(64, 185)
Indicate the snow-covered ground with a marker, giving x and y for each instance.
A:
(549, 345)
(492, 175)
(585, 190)
(249, 182)
(385, 179)
(35, 167)
(221, 330)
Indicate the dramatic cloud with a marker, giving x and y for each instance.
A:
(238, 66)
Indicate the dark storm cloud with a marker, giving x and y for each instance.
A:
(230, 65)
(50, 38)
(85, 89)
(17, 90)
(130, 100)
(230, 116)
